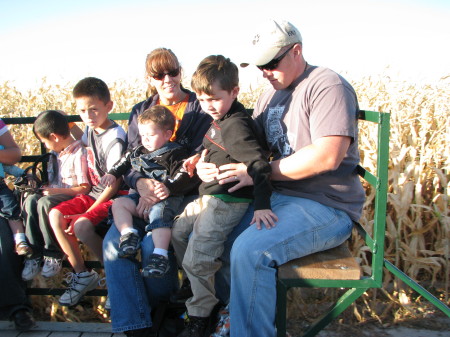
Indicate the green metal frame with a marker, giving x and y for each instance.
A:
(375, 243)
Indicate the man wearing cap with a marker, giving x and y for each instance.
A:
(309, 121)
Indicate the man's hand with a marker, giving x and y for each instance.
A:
(146, 189)
(266, 216)
(144, 206)
(232, 173)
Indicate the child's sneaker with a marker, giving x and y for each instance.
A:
(107, 303)
(157, 267)
(31, 269)
(22, 248)
(80, 284)
(129, 244)
(51, 267)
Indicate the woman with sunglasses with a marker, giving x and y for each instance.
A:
(132, 296)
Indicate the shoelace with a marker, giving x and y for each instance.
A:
(71, 279)
(53, 263)
(33, 262)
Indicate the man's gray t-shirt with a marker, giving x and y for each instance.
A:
(319, 103)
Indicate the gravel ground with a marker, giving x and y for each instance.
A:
(436, 325)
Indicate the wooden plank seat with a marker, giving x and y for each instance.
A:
(332, 264)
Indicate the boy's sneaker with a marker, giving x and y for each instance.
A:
(51, 267)
(22, 248)
(196, 327)
(157, 267)
(80, 284)
(129, 244)
(31, 269)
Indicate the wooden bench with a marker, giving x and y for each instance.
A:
(333, 264)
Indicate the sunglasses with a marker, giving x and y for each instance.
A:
(272, 65)
(172, 73)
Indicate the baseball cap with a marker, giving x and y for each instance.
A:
(269, 39)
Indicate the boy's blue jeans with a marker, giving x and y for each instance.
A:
(304, 227)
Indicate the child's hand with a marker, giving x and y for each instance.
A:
(74, 148)
(108, 180)
(207, 172)
(47, 190)
(71, 219)
(161, 191)
(189, 164)
(266, 216)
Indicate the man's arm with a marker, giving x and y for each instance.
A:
(323, 155)
(11, 153)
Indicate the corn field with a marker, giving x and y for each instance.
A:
(418, 220)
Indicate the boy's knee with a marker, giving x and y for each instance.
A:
(53, 215)
(117, 204)
(83, 228)
(44, 203)
(121, 203)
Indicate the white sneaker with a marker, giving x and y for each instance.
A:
(108, 304)
(51, 267)
(31, 269)
(79, 284)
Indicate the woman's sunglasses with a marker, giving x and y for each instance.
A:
(272, 65)
(172, 73)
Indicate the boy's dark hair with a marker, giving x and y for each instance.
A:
(51, 121)
(159, 115)
(92, 87)
(215, 68)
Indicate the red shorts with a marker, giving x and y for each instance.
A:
(80, 204)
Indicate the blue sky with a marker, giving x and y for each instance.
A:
(68, 40)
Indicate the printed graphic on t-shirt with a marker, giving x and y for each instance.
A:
(94, 176)
(276, 135)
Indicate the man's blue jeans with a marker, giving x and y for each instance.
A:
(304, 227)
